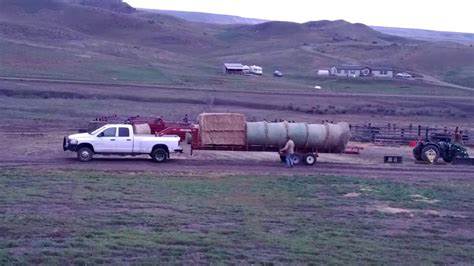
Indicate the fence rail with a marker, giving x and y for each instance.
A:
(391, 134)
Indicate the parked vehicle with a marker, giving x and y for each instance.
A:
(430, 151)
(404, 75)
(120, 139)
(277, 74)
(256, 70)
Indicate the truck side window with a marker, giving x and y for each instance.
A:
(109, 132)
(124, 132)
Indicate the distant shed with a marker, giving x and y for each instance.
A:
(233, 68)
(323, 72)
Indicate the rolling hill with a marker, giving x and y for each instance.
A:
(109, 40)
(206, 17)
(427, 35)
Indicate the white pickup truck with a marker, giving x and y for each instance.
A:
(119, 139)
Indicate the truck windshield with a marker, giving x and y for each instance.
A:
(97, 130)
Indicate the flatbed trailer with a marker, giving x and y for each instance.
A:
(305, 155)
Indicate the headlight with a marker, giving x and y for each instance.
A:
(73, 141)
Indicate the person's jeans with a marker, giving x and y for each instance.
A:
(289, 160)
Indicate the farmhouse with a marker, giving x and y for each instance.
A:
(350, 71)
(234, 68)
(382, 72)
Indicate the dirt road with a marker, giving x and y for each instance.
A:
(202, 166)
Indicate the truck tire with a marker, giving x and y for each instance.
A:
(430, 153)
(309, 159)
(159, 155)
(84, 154)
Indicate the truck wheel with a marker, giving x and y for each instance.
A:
(430, 153)
(159, 155)
(84, 154)
(309, 159)
(296, 159)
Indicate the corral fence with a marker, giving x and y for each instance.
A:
(392, 134)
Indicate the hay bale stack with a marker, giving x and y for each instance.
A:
(142, 129)
(222, 129)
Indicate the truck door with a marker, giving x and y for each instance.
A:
(124, 142)
(105, 141)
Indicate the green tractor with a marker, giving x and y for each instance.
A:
(431, 150)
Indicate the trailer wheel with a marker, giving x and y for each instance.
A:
(430, 153)
(309, 159)
(189, 138)
(84, 154)
(159, 155)
(296, 159)
(282, 158)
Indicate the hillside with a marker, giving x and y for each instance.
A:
(428, 35)
(206, 17)
(109, 40)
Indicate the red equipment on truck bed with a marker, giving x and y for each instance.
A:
(160, 127)
(157, 125)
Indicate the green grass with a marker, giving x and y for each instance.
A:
(106, 217)
(463, 77)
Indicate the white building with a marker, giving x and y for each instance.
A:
(323, 72)
(382, 72)
(233, 68)
(350, 71)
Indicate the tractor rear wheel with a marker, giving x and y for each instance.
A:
(430, 153)
(417, 152)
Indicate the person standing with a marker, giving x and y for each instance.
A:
(288, 150)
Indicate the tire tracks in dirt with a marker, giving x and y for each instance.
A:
(197, 167)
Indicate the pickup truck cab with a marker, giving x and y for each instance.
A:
(119, 139)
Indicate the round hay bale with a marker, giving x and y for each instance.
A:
(317, 135)
(142, 129)
(257, 133)
(338, 137)
(298, 132)
(277, 133)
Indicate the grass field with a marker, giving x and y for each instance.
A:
(110, 217)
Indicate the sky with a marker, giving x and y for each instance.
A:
(440, 15)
